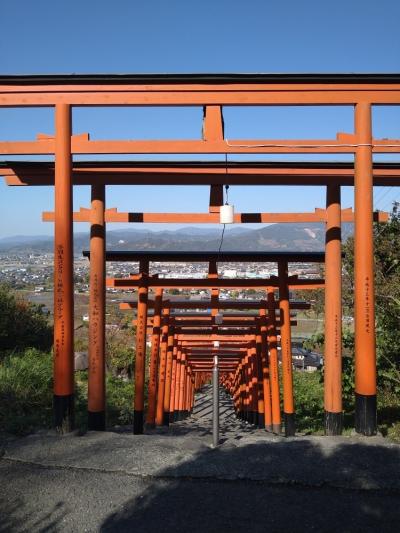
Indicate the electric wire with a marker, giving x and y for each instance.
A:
(384, 195)
(336, 145)
(378, 193)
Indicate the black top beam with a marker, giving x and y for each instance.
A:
(204, 257)
(217, 79)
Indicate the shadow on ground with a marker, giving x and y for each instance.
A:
(174, 481)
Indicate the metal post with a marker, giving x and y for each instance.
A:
(63, 401)
(97, 301)
(364, 295)
(215, 379)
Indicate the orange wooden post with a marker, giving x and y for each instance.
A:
(140, 359)
(177, 383)
(97, 303)
(162, 368)
(182, 377)
(257, 403)
(243, 388)
(247, 401)
(63, 401)
(168, 375)
(273, 363)
(260, 380)
(333, 314)
(155, 351)
(266, 383)
(364, 295)
(187, 391)
(286, 350)
(173, 381)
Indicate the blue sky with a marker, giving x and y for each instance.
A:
(183, 36)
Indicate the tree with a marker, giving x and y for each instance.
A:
(387, 296)
(22, 324)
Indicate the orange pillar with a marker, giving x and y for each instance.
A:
(97, 303)
(247, 396)
(173, 382)
(162, 368)
(63, 401)
(243, 389)
(364, 295)
(273, 363)
(286, 350)
(140, 359)
(155, 350)
(259, 382)
(333, 314)
(177, 383)
(182, 377)
(266, 383)
(168, 375)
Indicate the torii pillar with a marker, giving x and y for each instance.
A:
(155, 351)
(286, 349)
(140, 360)
(97, 301)
(333, 314)
(63, 402)
(364, 295)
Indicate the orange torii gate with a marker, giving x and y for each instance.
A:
(144, 280)
(212, 92)
(271, 418)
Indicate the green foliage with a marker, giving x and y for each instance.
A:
(22, 324)
(387, 293)
(317, 342)
(26, 394)
(120, 354)
(26, 391)
(119, 401)
(309, 401)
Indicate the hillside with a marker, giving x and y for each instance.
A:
(301, 237)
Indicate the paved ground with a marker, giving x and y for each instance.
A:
(172, 480)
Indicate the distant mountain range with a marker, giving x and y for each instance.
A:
(296, 237)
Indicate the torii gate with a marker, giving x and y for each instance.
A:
(212, 92)
(143, 281)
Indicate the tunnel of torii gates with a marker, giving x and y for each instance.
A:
(247, 344)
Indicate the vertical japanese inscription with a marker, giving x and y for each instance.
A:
(59, 300)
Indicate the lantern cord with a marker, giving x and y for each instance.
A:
(222, 239)
(226, 203)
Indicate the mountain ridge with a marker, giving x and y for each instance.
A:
(299, 237)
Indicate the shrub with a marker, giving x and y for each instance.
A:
(26, 391)
(22, 324)
(309, 401)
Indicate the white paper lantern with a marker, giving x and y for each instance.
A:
(226, 214)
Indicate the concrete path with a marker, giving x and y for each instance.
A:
(172, 480)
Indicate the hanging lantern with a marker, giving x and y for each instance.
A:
(226, 214)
